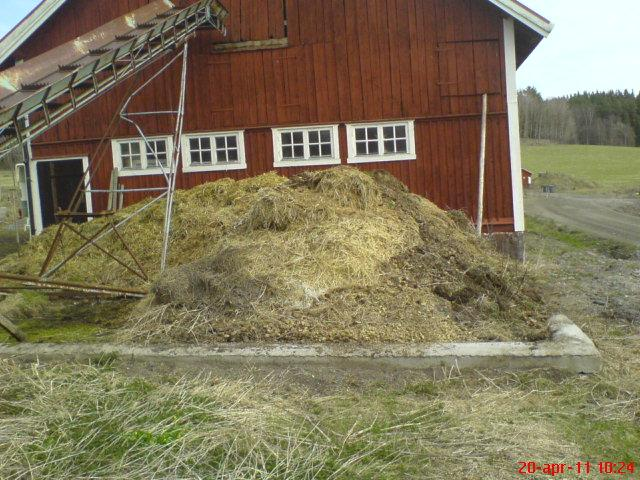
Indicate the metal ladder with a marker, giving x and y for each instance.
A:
(40, 93)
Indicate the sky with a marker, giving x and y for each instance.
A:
(594, 45)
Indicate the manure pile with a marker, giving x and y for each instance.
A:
(337, 255)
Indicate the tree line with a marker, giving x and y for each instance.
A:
(595, 118)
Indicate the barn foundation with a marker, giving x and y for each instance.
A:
(510, 244)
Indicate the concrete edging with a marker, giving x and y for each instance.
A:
(569, 348)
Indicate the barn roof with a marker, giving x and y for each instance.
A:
(46, 8)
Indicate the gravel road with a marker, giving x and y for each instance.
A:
(615, 218)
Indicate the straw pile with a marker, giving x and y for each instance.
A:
(337, 255)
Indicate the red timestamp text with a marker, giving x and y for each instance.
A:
(584, 468)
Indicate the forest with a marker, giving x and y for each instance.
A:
(589, 118)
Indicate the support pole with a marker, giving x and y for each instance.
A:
(483, 151)
(175, 160)
(10, 327)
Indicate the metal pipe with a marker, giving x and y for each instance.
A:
(43, 271)
(119, 224)
(73, 286)
(128, 190)
(106, 252)
(169, 112)
(175, 160)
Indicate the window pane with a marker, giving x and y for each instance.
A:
(221, 155)
(160, 159)
(373, 148)
(220, 142)
(232, 141)
(313, 136)
(298, 151)
(401, 146)
(361, 133)
(206, 156)
(287, 152)
(387, 132)
(298, 137)
(326, 150)
(136, 161)
(286, 138)
(314, 150)
(205, 143)
(361, 148)
(158, 146)
(232, 155)
(372, 133)
(325, 136)
(124, 148)
(126, 163)
(401, 131)
(194, 143)
(389, 146)
(195, 157)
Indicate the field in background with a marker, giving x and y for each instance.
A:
(611, 169)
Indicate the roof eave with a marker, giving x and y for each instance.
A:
(535, 22)
(16, 37)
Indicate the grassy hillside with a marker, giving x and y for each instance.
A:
(615, 169)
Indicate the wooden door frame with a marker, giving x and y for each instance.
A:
(35, 187)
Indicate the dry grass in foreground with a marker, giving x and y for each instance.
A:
(80, 421)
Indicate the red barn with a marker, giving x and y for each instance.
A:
(299, 84)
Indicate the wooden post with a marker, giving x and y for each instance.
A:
(483, 150)
(14, 331)
(113, 186)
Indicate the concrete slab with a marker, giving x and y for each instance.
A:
(567, 349)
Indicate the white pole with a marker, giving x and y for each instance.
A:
(175, 160)
(483, 150)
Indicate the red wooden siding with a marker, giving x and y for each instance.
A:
(347, 61)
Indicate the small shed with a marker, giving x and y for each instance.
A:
(527, 178)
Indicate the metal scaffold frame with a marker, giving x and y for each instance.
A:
(173, 31)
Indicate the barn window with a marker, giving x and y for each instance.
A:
(135, 156)
(157, 153)
(306, 146)
(213, 152)
(381, 142)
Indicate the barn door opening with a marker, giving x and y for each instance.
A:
(56, 182)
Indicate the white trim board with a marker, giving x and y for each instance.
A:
(514, 124)
(32, 22)
(525, 16)
(35, 188)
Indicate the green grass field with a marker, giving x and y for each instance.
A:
(612, 169)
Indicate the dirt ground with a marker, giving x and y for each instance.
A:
(615, 218)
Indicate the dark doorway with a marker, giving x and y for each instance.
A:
(57, 182)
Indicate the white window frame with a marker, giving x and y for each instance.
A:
(381, 157)
(136, 172)
(187, 166)
(280, 162)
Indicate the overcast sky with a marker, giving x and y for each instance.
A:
(595, 45)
